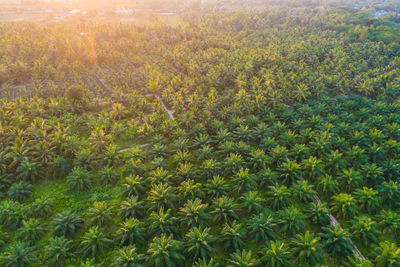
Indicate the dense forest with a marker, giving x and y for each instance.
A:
(235, 138)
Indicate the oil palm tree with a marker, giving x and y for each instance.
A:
(42, 206)
(94, 242)
(304, 191)
(242, 259)
(28, 171)
(217, 187)
(224, 209)
(307, 249)
(252, 201)
(31, 230)
(100, 214)
(390, 193)
(132, 207)
(131, 232)
(19, 254)
(164, 251)
(162, 222)
(161, 195)
(328, 185)
(336, 241)
(389, 222)
(198, 243)
(279, 196)
(205, 263)
(194, 213)
(58, 250)
(289, 172)
(108, 176)
(275, 254)
(243, 180)
(344, 205)
(232, 235)
(350, 179)
(133, 185)
(128, 257)
(366, 230)
(79, 179)
(20, 191)
(67, 223)
(368, 199)
(261, 227)
(387, 254)
(292, 220)
(319, 213)
(189, 189)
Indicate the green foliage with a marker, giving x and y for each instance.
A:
(94, 242)
(66, 223)
(79, 179)
(19, 254)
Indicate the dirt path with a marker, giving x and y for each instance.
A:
(128, 148)
(170, 112)
(334, 222)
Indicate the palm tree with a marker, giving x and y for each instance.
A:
(289, 172)
(373, 173)
(11, 213)
(131, 232)
(128, 257)
(108, 175)
(28, 171)
(67, 223)
(160, 175)
(165, 251)
(368, 199)
(133, 186)
(20, 191)
(243, 180)
(161, 195)
(199, 242)
(390, 222)
(194, 213)
(94, 242)
(132, 207)
(189, 189)
(336, 241)
(233, 235)
(279, 196)
(390, 193)
(58, 250)
(304, 191)
(319, 213)
(217, 187)
(350, 179)
(242, 259)
(292, 220)
(205, 263)
(312, 168)
(366, 230)
(162, 222)
(261, 227)
(328, 185)
(31, 230)
(79, 180)
(307, 249)
(387, 254)
(275, 254)
(19, 254)
(344, 205)
(252, 201)
(224, 209)
(100, 213)
(42, 207)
